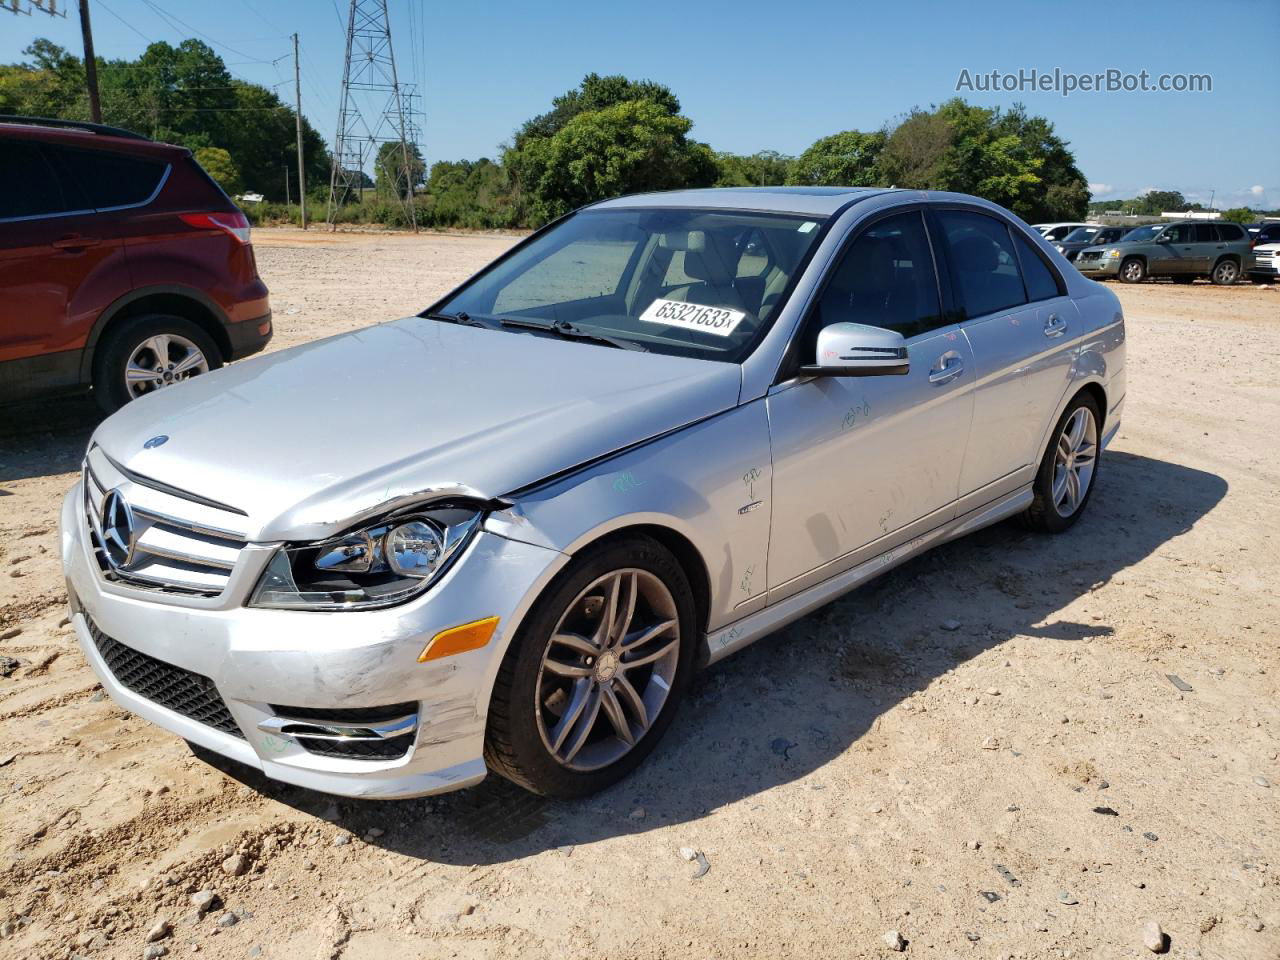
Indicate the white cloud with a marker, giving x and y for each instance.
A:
(1257, 190)
(1099, 189)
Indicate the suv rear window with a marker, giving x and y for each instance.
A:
(32, 189)
(1229, 232)
(108, 179)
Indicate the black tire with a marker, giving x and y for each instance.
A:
(514, 747)
(1133, 270)
(120, 343)
(1225, 272)
(1043, 514)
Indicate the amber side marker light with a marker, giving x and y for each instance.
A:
(460, 639)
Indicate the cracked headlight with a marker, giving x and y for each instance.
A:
(375, 565)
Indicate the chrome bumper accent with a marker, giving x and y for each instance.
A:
(329, 730)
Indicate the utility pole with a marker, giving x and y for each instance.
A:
(287, 201)
(297, 116)
(90, 64)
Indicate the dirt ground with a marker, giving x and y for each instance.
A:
(1029, 784)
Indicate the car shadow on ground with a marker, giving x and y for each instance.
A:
(45, 438)
(783, 708)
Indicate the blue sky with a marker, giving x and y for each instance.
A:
(768, 75)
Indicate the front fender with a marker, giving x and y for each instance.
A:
(710, 483)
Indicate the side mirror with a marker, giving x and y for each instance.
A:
(856, 350)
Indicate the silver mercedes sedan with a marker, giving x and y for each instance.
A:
(502, 534)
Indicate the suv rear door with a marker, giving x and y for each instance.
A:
(58, 269)
(1204, 248)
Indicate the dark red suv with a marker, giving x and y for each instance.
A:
(123, 266)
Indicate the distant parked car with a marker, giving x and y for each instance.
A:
(1181, 251)
(1082, 237)
(1264, 264)
(1265, 233)
(123, 266)
(1054, 232)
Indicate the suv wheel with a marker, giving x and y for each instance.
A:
(1133, 270)
(594, 677)
(1068, 470)
(1225, 273)
(149, 353)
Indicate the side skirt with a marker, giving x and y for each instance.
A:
(733, 637)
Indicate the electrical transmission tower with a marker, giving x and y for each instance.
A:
(373, 110)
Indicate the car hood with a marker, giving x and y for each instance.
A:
(308, 439)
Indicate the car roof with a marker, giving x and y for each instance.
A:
(817, 201)
(87, 136)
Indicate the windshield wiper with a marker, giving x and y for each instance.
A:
(461, 317)
(565, 329)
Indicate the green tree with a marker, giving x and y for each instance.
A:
(915, 151)
(599, 151)
(477, 194)
(51, 84)
(596, 93)
(1239, 215)
(390, 170)
(218, 164)
(842, 159)
(767, 168)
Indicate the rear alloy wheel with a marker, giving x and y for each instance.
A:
(1068, 469)
(149, 353)
(594, 677)
(1133, 270)
(1225, 273)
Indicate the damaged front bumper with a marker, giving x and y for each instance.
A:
(331, 701)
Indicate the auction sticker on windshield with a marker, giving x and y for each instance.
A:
(693, 316)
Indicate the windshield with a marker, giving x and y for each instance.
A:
(1143, 233)
(1080, 235)
(697, 283)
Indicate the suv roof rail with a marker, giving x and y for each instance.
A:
(99, 128)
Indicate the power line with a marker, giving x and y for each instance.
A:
(217, 43)
(125, 22)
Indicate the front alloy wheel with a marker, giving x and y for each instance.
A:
(607, 669)
(1133, 271)
(594, 676)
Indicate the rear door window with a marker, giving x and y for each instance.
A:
(984, 266)
(31, 188)
(108, 179)
(1041, 282)
(1203, 233)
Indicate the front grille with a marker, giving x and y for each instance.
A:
(181, 542)
(392, 748)
(191, 694)
(1090, 255)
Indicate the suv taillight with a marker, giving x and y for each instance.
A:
(236, 224)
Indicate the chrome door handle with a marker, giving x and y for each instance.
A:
(1055, 327)
(951, 369)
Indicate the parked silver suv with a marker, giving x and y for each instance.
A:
(1181, 251)
(502, 534)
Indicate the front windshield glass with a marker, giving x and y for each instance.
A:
(1143, 233)
(1080, 235)
(696, 283)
